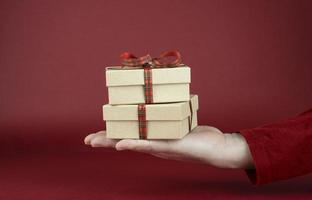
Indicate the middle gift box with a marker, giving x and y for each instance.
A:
(161, 85)
(151, 121)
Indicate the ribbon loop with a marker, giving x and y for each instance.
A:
(164, 59)
(130, 60)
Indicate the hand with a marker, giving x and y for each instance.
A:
(204, 144)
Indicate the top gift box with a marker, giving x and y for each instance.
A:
(149, 80)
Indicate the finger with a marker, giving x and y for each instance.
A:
(145, 146)
(89, 137)
(100, 140)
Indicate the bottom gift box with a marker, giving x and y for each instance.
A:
(151, 121)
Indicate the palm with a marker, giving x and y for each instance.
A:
(203, 144)
(202, 139)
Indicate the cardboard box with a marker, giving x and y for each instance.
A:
(164, 121)
(126, 86)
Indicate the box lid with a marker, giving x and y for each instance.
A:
(168, 111)
(117, 76)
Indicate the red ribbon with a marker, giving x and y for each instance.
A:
(147, 63)
(142, 121)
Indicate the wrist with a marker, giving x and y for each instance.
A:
(236, 153)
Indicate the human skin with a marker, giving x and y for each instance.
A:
(204, 144)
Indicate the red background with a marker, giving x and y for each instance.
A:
(251, 64)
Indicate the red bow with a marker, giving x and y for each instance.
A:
(164, 60)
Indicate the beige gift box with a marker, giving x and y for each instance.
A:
(164, 121)
(125, 86)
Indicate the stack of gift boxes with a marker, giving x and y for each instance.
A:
(149, 99)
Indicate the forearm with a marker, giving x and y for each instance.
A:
(280, 150)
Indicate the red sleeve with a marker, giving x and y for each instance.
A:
(281, 150)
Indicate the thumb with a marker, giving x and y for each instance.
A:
(145, 146)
